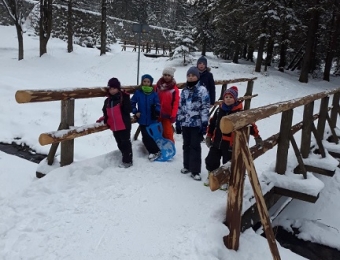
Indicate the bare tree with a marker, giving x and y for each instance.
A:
(14, 9)
(45, 24)
(103, 29)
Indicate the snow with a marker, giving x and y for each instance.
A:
(92, 209)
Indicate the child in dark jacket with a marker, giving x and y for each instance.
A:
(116, 110)
(207, 78)
(146, 107)
(219, 144)
(192, 121)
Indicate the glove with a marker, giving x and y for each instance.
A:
(137, 114)
(258, 141)
(178, 128)
(100, 119)
(203, 129)
(208, 141)
(172, 120)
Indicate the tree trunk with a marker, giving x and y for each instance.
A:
(244, 51)
(236, 53)
(283, 51)
(261, 47)
(103, 29)
(332, 45)
(20, 40)
(270, 49)
(45, 24)
(204, 47)
(311, 36)
(69, 27)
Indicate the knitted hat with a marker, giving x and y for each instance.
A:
(202, 60)
(194, 71)
(233, 91)
(114, 83)
(169, 71)
(147, 76)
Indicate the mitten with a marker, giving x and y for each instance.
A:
(258, 141)
(208, 141)
(100, 119)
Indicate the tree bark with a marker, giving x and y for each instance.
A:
(261, 47)
(270, 49)
(69, 27)
(20, 40)
(332, 45)
(311, 36)
(283, 52)
(45, 24)
(103, 29)
(236, 53)
(204, 47)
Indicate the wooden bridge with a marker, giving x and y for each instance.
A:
(266, 193)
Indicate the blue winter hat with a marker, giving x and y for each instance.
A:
(233, 91)
(194, 71)
(203, 60)
(147, 76)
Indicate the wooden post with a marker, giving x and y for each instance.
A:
(318, 140)
(306, 132)
(235, 194)
(335, 108)
(223, 89)
(67, 120)
(335, 138)
(322, 116)
(260, 202)
(283, 145)
(298, 156)
(249, 92)
(53, 150)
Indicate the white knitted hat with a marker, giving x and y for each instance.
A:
(169, 70)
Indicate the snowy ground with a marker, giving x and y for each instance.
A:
(94, 210)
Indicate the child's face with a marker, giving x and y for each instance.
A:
(191, 78)
(146, 82)
(201, 66)
(167, 77)
(113, 91)
(229, 100)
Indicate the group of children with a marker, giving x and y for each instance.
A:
(189, 110)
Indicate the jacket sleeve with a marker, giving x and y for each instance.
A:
(254, 130)
(179, 116)
(133, 102)
(212, 89)
(157, 103)
(212, 124)
(175, 104)
(205, 106)
(104, 110)
(126, 106)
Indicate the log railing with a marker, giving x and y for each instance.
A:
(67, 132)
(243, 156)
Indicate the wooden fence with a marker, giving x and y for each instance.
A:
(164, 49)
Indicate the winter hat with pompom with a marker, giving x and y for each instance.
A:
(233, 91)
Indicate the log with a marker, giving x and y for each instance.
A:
(221, 175)
(260, 202)
(236, 121)
(69, 134)
(44, 95)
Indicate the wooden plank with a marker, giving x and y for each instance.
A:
(260, 202)
(283, 144)
(249, 92)
(323, 116)
(235, 195)
(306, 133)
(296, 195)
(334, 138)
(335, 108)
(298, 157)
(53, 150)
(318, 141)
(314, 169)
(223, 89)
(334, 154)
(67, 119)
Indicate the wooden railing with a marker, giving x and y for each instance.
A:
(242, 158)
(66, 132)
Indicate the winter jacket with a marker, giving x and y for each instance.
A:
(116, 110)
(207, 80)
(168, 94)
(148, 107)
(220, 140)
(194, 107)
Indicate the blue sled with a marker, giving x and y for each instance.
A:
(166, 146)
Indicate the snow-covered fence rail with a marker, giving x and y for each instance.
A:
(67, 132)
(243, 157)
